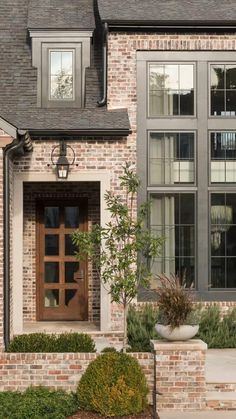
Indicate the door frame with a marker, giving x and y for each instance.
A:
(101, 176)
(39, 204)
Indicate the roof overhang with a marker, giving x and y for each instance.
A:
(95, 132)
(170, 25)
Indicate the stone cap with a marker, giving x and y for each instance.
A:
(188, 345)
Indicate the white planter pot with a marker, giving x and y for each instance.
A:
(184, 332)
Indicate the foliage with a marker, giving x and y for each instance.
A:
(120, 250)
(175, 301)
(37, 403)
(42, 342)
(217, 332)
(141, 327)
(113, 384)
(109, 349)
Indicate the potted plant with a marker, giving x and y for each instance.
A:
(178, 316)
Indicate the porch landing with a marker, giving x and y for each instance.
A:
(59, 327)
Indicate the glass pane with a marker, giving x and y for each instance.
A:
(185, 146)
(186, 209)
(61, 87)
(217, 240)
(70, 269)
(51, 245)
(231, 241)
(184, 268)
(71, 217)
(172, 77)
(69, 296)
(186, 102)
(172, 102)
(230, 270)
(67, 62)
(184, 241)
(70, 249)
(51, 298)
(230, 76)
(156, 103)
(55, 57)
(157, 78)
(51, 217)
(217, 273)
(186, 77)
(51, 274)
(230, 102)
(217, 77)
(230, 210)
(217, 103)
(218, 145)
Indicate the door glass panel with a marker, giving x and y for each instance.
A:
(70, 269)
(51, 244)
(51, 298)
(69, 295)
(70, 249)
(71, 217)
(51, 217)
(51, 274)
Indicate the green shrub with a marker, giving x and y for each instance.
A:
(37, 403)
(141, 328)
(109, 349)
(42, 342)
(217, 332)
(113, 384)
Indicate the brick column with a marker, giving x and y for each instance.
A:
(180, 375)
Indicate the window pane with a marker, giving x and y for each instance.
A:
(171, 99)
(51, 245)
(185, 269)
(217, 77)
(172, 77)
(71, 217)
(157, 77)
(230, 272)
(70, 269)
(51, 298)
(55, 63)
(186, 102)
(230, 102)
(186, 209)
(218, 273)
(223, 157)
(156, 103)
(51, 217)
(67, 62)
(231, 76)
(186, 77)
(218, 102)
(51, 274)
(69, 296)
(70, 249)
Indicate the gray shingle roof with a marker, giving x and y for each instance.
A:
(221, 11)
(18, 81)
(61, 14)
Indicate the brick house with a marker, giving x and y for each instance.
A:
(95, 84)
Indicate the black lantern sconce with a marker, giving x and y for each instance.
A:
(62, 164)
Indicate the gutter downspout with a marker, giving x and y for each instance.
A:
(103, 101)
(16, 147)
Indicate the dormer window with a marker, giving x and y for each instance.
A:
(61, 58)
(61, 75)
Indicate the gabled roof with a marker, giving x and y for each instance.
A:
(61, 14)
(161, 12)
(18, 79)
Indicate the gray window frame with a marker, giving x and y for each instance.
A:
(209, 87)
(201, 123)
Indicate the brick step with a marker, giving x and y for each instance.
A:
(221, 400)
(221, 387)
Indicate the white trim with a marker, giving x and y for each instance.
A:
(17, 284)
(8, 128)
(34, 33)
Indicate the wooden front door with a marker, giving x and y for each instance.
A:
(62, 286)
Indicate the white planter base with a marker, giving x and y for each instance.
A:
(184, 332)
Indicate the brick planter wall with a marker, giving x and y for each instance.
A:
(18, 371)
(180, 375)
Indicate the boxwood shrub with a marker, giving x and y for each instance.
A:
(37, 403)
(113, 385)
(42, 342)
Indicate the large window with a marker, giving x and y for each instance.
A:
(173, 218)
(171, 89)
(223, 240)
(61, 75)
(223, 89)
(171, 158)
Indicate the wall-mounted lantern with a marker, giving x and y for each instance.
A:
(62, 164)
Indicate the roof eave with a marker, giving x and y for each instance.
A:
(84, 132)
(163, 25)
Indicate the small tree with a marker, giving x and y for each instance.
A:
(121, 249)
